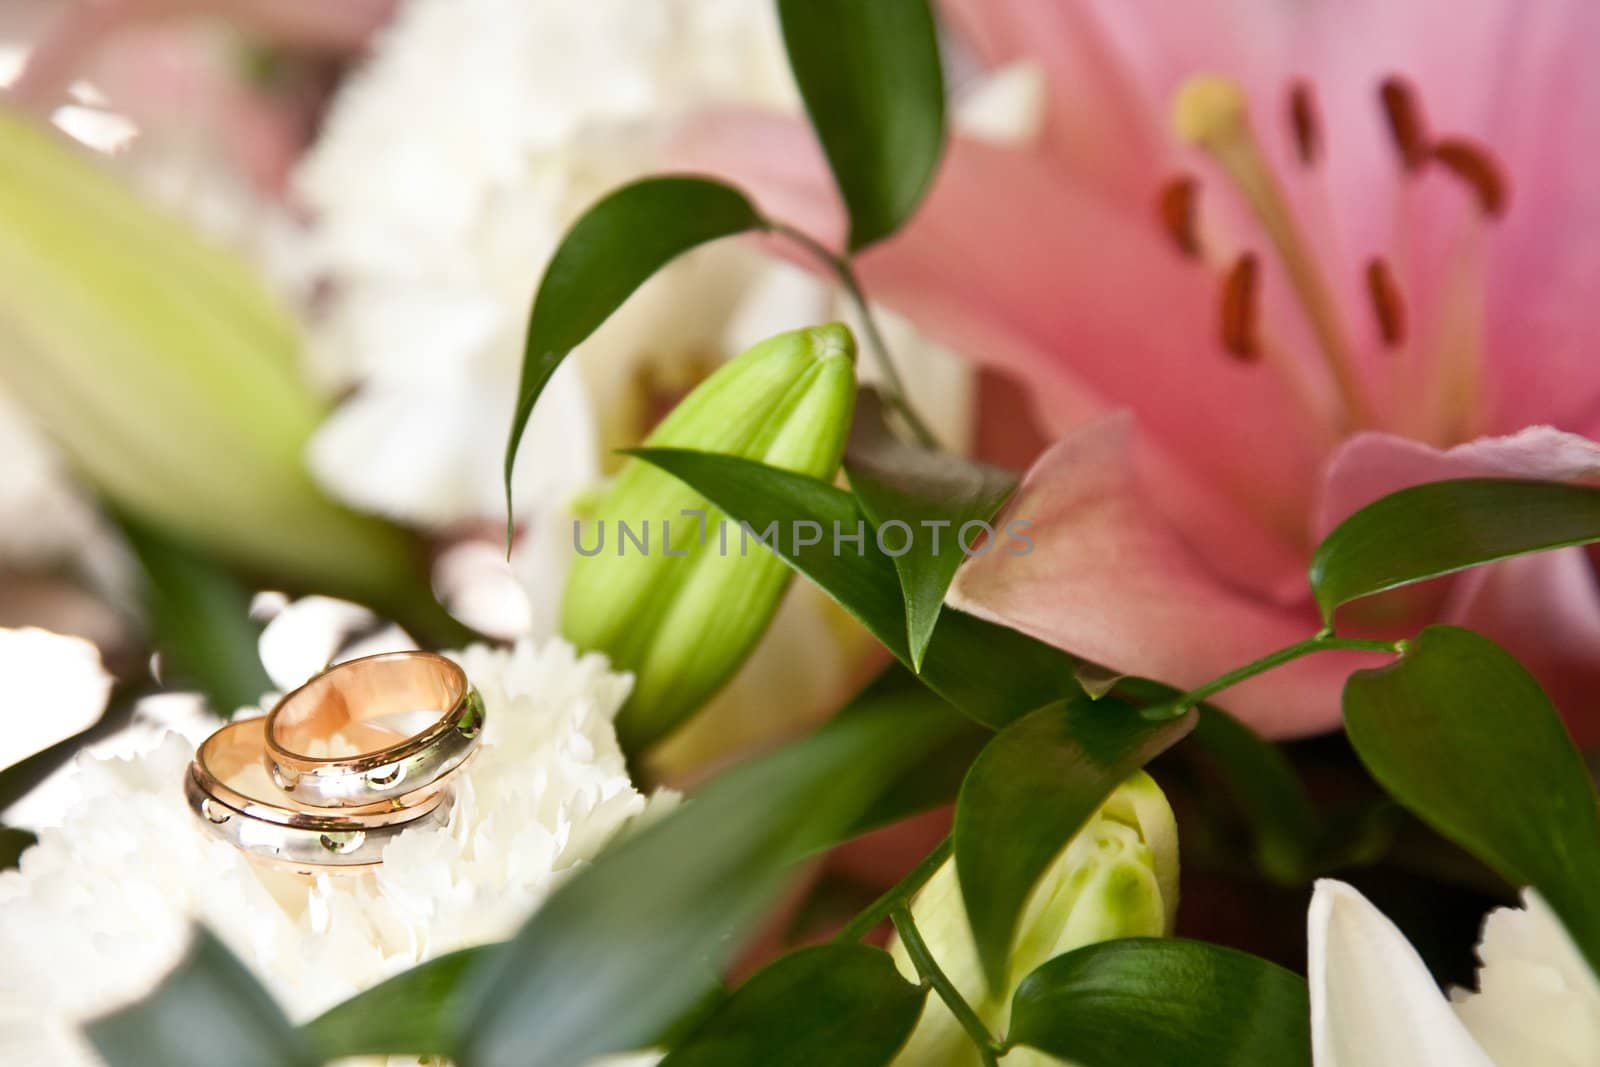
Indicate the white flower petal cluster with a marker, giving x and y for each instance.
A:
(1374, 1004)
(449, 167)
(1537, 1000)
(434, 203)
(102, 905)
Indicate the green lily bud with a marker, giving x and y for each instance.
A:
(170, 378)
(1117, 878)
(663, 584)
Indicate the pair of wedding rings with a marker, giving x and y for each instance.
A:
(342, 765)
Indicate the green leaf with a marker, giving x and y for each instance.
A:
(413, 1013)
(952, 740)
(635, 939)
(988, 672)
(843, 1005)
(934, 496)
(209, 1010)
(608, 253)
(1443, 527)
(874, 89)
(1461, 735)
(1029, 792)
(417, 1012)
(199, 618)
(1164, 1001)
(1267, 791)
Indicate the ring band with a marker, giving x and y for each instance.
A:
(380, 728)
(235, 799)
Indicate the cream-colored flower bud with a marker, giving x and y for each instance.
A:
(1117, 878)
(665, 585)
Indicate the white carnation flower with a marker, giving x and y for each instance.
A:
(435, 203)
(102, 905)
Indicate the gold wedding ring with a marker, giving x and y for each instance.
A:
(377, 728)
(342, 765)
(232, 792)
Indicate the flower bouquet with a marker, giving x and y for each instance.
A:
(702, 533)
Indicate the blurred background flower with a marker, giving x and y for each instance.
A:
(397, 174)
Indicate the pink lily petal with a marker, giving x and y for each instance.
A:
(84, 27)
(1114, 143)
(1545, 609)
(1373, 465)
(1046, 294)
(1542, 323)
(1110, 580)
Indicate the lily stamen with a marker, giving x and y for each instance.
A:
(1239, 309)
(1404, 114)
(1211, 113)
(1477, 167)
(1176, 206)
(1304, 125)
(1387, 305)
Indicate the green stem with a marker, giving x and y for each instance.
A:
(1322, 642)
(844, 270)
(899, 893)
(988, 1048)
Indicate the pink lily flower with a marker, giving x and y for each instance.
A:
(1263, 263)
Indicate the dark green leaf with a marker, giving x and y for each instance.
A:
(1460, 734)
(932, 783)
(1164, 1001)
(1264, 786)
(418, 1012)
(934, 496)
(635, 939)
(952, 742)
(1442, 527)
(607, 254)
(199, 618)
(874, 89)
(989, 672)
(13, 843)
(843, 1005)
(1029, 792)
(209, 1010)
(414, 1013)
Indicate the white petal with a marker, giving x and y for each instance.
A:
(1004, 107)
(53, 687)
(477, 586)
(1373, 1002)
(1537, 1001)
(315, 631)
(431, 452)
